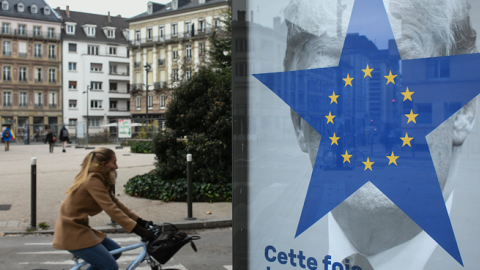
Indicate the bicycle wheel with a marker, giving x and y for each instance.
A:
(329, 157)
(357, 158)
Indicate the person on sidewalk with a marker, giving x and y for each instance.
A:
(64, 138)
(90, 193)
(51, 139)
(7, 136)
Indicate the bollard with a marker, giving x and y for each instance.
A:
(33, 223)
(189, 187)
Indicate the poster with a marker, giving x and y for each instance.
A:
(124, 128)
(356, 134)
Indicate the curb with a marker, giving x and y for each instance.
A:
(182, 225)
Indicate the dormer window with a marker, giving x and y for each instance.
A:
(34, 9)
(90, 30)
(201, 1)
(46, 10)
(175, 4)
(111, 33)
(150, 8)
(20, 7)
(5, 5)
(70, 29)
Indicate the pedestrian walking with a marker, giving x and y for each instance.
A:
(7, 136)
(51, 139)
(64, 138)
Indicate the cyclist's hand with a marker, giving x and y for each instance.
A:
(144, 233)
(144, 223)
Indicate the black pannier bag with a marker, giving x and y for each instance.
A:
(168, 242)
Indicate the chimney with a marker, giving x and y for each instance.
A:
(109, 17)
(68, 11)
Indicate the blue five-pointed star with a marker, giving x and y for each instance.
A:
(419, 195)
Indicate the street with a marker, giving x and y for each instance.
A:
(34, 252)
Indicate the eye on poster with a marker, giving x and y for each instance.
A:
(356, 134)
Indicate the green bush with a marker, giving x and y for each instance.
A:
(142, 147)
(151, 187)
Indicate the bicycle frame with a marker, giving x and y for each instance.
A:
(143, 255)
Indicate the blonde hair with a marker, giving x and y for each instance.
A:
(94, 158)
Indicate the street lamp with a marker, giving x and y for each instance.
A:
(86, 140)
(147, 69)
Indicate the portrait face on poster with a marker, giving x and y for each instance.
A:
(362, 133)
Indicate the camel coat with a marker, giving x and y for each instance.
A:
(72, 231)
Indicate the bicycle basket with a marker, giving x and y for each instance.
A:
(168, 242)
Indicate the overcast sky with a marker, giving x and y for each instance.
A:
(126, 8)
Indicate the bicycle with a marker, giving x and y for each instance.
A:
(163, 240)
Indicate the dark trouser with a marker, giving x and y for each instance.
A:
(51, 147)
(7, 146)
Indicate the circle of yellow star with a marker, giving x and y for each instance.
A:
(346, 157)
(390, 78)
(368, 164)
(411, 117)
(368, 72)
(330, 117)
(348, 80)
(334, 139)
(406, 140)
(407, 95)
(392, 159)
(333, 98)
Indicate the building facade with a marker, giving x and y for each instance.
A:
(167, 44)
(31, 82)
(96, 69)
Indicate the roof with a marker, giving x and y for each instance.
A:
(183, 5)
(101, 21)
(27, 14)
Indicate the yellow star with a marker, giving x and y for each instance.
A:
(333, 98)
(368, 72)
(329, 117)
(392, 159)
(407, 95)
(406, 140)
(368, 164)
(334, 139)
(346, 157)
(390, 77)
(348, 80)
(411, 117)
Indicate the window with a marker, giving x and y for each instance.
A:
(37, 31)
(113, 86)
(175, 4)
(46, 10)
(72, 85)
(137, 35)
(110, 33)
(51, 32)
(95, 67)
(150, 102)
(113, 104)
(96, 86)
(188, 73)
(96, 104)
(38, 100)
(149, 33)
(72, 47)
(22, 74)
(174, 54)
(72, 103)
(53, 100)
(72, 66)
(202, 25)
(51, 51)
(150, 8)
(202, 49)
(138, 102)
(34, 9)
(70, 29)
(7, 99)
(51, 76)
(188, 49)
(174, 29)
(438, 68)
(216, 22)
(21, 30)
(175, 75)
(162, 101)
(187, 27)
(93, 122)
(93, 50)
(39, 75)
(22, 49)
(6, 28)
(113, 69)
(5, 5)
(72, 122)
(112, 50)
(37, 52)
(6, 48)
(20, 7)
(161, 31)
(23, 99)
(6, 73)
(424, 111)
(90, 31)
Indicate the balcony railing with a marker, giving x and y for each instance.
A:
(135, 86)
(7, 104)
(24, 105)
(159, 85)
(7, 79)
(161, 62)
(31, 33)
(167, 38)
(187, 59)
(21, 54)
(121, 91)
(137, 64)
(37, 55)
(101, 53)
(22, 80)
(52, 57)
(38, 105)
(52, 106)
(7, 53)
(38, 80)
(52, 81)
(119, 73)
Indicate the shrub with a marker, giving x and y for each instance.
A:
(143, 147)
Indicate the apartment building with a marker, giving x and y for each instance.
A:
(30, 63)
(96, 69)
(167, 44)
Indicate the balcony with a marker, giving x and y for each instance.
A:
(32, 33)
(159, 85)
(7, 53)
(37, 55)
(38, 105)
(52, 81)
(38, 80)
(20, 54)
(136, 86)
(7, 79)
(52, 106)
(137, 64)
(22, 80)
(23, 105)
(121, 91)
(187, 59)
(167, 38)
(161, 62)
(7, 104)
(52, 57)
(119, 73)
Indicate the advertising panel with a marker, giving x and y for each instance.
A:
(356, 134)
(124, 128)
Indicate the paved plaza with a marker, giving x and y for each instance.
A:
(55, 173)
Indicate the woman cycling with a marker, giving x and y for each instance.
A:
(90, 193)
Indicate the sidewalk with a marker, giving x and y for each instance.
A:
(55, 173)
